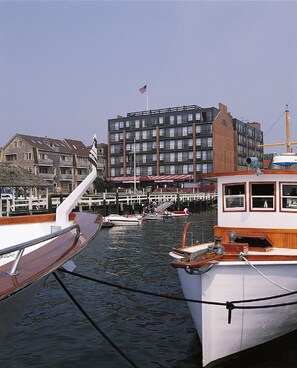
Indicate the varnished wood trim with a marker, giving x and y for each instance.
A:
(48, 258)
(278, 238)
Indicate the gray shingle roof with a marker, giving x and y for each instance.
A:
(15, 176)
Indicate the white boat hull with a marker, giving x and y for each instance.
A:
(248, 327)
(123, 220)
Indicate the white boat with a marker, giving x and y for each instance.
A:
(106, 223)
(119, 220)
(244, 283)
(152, 216)
(34, 246)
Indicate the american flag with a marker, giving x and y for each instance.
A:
(142, 89)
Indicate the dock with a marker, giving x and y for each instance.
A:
(106, 203)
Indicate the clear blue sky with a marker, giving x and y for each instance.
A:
(66, 67)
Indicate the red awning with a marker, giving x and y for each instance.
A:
(155, 178)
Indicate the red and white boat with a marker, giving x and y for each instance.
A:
(34, 246)
(182, 213)
(243, 285)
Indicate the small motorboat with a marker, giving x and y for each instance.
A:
(33, 246)
(106, 223)
(182, 213)
(242, 285)
(167, 213)
(119, 220)
(148, 216)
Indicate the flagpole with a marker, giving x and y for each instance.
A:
(147, 99)
(134, 167)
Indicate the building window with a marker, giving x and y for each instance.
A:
(204, 168)
(12, 157)
(43, 170)
(171, 132)
(28, 156)
(137, 123)
(198, 116)
(43, 156)
(161, 120)
(172, 157)
(171, 119)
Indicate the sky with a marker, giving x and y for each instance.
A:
(66, 67)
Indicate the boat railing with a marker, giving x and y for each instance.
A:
(19, 248)
(196, 232)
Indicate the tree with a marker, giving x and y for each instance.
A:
(102, 184)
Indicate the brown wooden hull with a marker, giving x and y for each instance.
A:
(16, 291)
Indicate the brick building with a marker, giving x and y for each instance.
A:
(180, 141)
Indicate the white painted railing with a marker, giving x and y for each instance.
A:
(15, 206)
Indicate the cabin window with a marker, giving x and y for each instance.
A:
(262, 196)
(289, 196)
(234, 197)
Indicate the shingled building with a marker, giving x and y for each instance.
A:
(61, 163)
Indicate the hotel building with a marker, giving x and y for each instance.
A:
(183, 142)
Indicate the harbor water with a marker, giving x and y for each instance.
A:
(153, 332)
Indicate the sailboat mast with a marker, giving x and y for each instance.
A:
(288, 138)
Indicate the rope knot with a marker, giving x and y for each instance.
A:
(230, 306)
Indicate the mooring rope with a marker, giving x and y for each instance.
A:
(140, 291)
(262, 274)
(93, 323)
(224, 304)
(230, 306)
